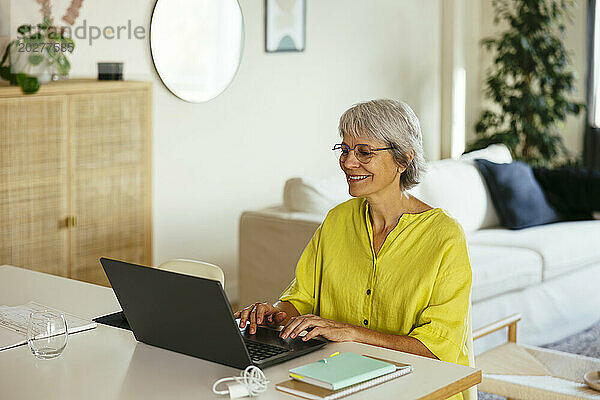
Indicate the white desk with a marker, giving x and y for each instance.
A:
(107, 363)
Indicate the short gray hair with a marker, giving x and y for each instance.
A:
(394, 123)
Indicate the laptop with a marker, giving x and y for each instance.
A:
(191, 315)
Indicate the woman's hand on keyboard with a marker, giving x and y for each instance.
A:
(327, 328)
(260, 314)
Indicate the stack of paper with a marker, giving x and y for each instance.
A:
(341, 375)
(13, 323)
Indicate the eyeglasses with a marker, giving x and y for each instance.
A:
(363, 152)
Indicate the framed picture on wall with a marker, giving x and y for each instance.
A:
(285, 25)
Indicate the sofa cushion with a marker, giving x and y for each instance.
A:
(573, 192)
(564, 246)
(500, 269)
(315, 195)
(497, 153)
(519, 199)
(457, 187)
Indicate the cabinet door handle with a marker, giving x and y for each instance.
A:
(69, 222)
(64, 223)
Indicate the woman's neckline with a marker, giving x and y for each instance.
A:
(404, 220)
(421, 213)
(368, 207)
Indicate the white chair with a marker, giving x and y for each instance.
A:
(194, 268)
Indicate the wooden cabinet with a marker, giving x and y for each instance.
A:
(75, 177)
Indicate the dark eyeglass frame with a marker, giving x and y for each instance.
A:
(359, 156)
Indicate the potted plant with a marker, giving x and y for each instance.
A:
(40, 51)
(529, 83)
(36, 51)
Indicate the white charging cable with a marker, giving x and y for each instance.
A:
(251, 382)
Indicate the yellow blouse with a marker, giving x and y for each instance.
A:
(418, 285)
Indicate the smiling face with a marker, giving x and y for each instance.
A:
(376, 179)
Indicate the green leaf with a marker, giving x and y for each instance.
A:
(30, 85)
(52, 53)
(62, 64)
(23, 29)
(6, 54)
(21, 78)
(68, 41)
(5, 74)
(36, 59)
(47, 23)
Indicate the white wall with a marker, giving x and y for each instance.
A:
(278, 118)
(214, 160)
(5, 30)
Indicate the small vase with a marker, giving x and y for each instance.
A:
(44, 75)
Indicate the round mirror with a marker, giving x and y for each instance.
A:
(196, 46)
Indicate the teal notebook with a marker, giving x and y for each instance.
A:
(342, 370)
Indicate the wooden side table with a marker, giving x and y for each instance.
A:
(531, 373)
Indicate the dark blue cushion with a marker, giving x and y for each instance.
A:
(517, 196)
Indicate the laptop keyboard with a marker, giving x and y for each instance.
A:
(259, 351)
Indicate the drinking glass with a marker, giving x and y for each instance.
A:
(47, 334)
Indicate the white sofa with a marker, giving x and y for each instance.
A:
(550, 274)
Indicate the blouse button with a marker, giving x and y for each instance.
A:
(366, 322)
(368, 292)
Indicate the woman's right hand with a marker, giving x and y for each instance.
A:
(260, 314)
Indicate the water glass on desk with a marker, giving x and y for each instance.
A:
(47, 334)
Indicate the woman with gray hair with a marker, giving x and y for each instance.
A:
(383, 268)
